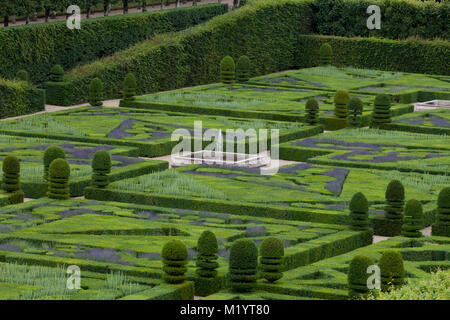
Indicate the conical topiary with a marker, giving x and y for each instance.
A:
(243, 265)
(341, 98)
(355, 110)
(412, 219)
(325, 53)
(357, 276)
(227, 70)
(392, 271)
(359, 212)
(382, 110)
(395, 200)
(101, 167)
(58, 177)
(129, 87)
(442, 225)
(22, 75)
(243, 69)
(96, 92)
(175, 258)
(271, 252)
(11, 174)
(50, 154)
(207, 249)
(56, 74)
(312, 111)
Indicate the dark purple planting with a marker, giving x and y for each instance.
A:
(120, 132)
(439, 122)
(256, 231)
(336, 185)
(78, 212)
(9, 247)
(293, 169)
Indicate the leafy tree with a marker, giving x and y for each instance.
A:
(359, 212)
(312, 112)
(50, 154)
(243, 265)
(175, 258)
(271, 252)
(207, 248)
(101, 167)
(341, 98)
(11, 174)
(382, 110)
(355, 110)
(395, 200)
(58, 176)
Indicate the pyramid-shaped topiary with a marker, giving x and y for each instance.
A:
(101, 167)
(357, 276)
(129, 87)
(395, 200)
(312, 111)
(243, 69)
(207, 249)
(96, 92)
(442, 225)
(359, 212)
(325, 54)
(271, 252)
(11, 174)
(391, 269)
(22, 75)
(175, 258)
(341, 98)
(412, 219)
(50, 154)
(58, 177)
(355, 110)
(56, 74)
(382, 110)
(227, 70)
(243, 265)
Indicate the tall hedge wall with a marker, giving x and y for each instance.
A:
(18, 98)
(37, 47)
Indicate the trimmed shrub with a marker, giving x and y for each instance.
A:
(129, 87)
(227, 70)
(243, 265)
(243, 71)
(359, 212)
(442, 225)
(175, 258)
(382, 110)
(357, 276)
(50, 154)
(355, 110)
(391, 269)
(58, 177)
(325, 53)
(11, 174)
(412, 219)
(96, 92)
(101, 167)
(341, 99)
(56, 74)
(19, 98)
(312, 111)
(271, 252)
(395, 200)
(22, 75)
(207, 249)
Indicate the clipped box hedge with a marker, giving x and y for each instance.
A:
(19, 98)
(37, 47)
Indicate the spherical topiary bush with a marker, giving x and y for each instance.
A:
(359, 212)
(442, 225)
(391, 269)
(243, 265)
(175, 258)
(129, 87)
(382, 110)
(56, 74)
(243, 69)
(271, 252)
(341, 98)
(101, 167)
(11, 174)
(22, 75)
(357, 276)
(96, 92)
(312, 111)
(395, 200)
(207, 248)
(412, 219)
(50, 154)
(227, 70)
(355, 110)
(58, 178)
(325, 53)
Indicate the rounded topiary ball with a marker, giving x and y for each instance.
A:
(444, 198)
(412, 220)
(175, 257)
(175, 250)
(207, 243)
(50, 154)
(357, 275)
(227, 70)
(101, 160)
(391, 269)
(243, 69)
(271, 252)
(359, 203)
(56, 73)
(271, 247)
(11, 164)
(59, 168)
(395, 191)
(382, 99)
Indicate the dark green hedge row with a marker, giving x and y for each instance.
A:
(400, 19)
(37, 47)
(18, 98)
(414, 128)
